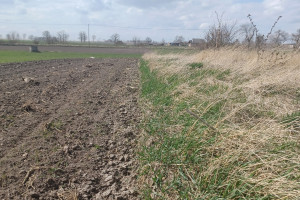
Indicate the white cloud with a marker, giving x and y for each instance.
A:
(165, 18)
(273, 6)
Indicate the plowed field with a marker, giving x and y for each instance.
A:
(68, 128)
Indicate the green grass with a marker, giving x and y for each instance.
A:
(196, 65)
(176, 149)
(22, 56)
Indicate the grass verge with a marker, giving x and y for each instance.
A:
(22, 56)
(246, 155)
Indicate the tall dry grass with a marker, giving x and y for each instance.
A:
(252, 131)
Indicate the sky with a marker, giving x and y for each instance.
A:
(157, 19)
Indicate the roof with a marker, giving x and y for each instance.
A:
(197, 40)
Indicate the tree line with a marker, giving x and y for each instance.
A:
(222, 33)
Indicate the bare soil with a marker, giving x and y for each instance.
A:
(68, 129)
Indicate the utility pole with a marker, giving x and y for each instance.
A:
(89, 35)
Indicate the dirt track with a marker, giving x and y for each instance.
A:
(68, 128)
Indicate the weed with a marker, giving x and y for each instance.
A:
(52, 128)
(196, 65)
(292, 121)
(97, 146)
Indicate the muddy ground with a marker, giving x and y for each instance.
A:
(68, 128)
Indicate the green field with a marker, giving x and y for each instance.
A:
(22, 56)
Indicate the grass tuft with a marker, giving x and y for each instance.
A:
(196, 65)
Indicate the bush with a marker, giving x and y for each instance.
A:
(196, 65)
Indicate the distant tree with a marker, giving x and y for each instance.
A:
(278, 37)
(179, 39)
(94, 38)
(248, 32)
(8, 37)
(36, 40)
(163, 42)
(148, 40)
(115, 38)
(221, 34)
(47, 37)
(13, 36)
(62, 37)
(82, 36)
(296, 38)
(31, 37)
(24, 36)
(135, 40)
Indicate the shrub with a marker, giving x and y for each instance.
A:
(196, 65)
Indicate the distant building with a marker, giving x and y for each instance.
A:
(197, 42)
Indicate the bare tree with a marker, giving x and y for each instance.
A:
(31, 37)
(247, 31)
(13, 36)
(260, 39)
(8, 37)
(47, 37)
(221, 34)
(82, 36)
(179, 39)
(115, 38)
(62, 37)
(278, 37)
(136, 40)
(296, 38)
(148, 40)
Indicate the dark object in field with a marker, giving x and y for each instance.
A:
(33, 49)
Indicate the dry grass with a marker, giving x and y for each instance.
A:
(254, 142)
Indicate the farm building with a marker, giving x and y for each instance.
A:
(197, 42)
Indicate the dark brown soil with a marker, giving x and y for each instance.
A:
(68, 128)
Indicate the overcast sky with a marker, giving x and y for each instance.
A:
(157, 19)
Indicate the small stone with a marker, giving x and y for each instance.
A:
(66, 149)
(108, 178)
(111, 163)
(112, 156)
(126, 157)
(98, 196)
(106, 193)
(122, 159)
(132, 89)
